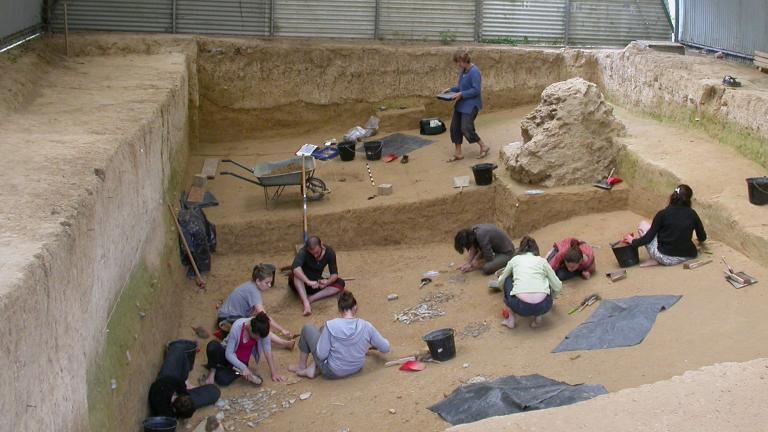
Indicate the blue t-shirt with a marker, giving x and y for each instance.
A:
(469, 86)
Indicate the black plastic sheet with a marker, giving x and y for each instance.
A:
(617, 323)
(511, 395)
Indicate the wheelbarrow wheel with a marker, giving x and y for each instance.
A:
(316, 189)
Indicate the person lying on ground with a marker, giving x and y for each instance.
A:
(488, 246)
(307, 273)
(338, 348)
(249, 338)
(245, 301)
(529, 284)
(170, 395)
(668, 238)
(570, 257)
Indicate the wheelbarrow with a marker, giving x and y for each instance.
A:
(278, 175)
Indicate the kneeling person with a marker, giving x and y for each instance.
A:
(489, 248)
(307, 273)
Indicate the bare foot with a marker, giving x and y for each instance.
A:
(296, 368)
(290, 345)
(307, 310)
(536, 322)
(211, 376)
(509, 322)
(310, 372)
(649, 263)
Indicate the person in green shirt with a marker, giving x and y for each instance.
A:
(529, 284)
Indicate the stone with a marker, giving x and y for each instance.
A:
(385, 189)
(477, 379)
(305, 396)
(570, 138)
(392, 297)
(392, 411)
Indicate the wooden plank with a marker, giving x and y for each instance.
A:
(197, 190)
(761, 54)
(763, 64)
(210, 168)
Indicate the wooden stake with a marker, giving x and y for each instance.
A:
(304, 192)
(198, 279)
(66, 28)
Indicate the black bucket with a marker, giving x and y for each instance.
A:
(160, 424)
(758, 190)
(347, 151)
(190, 349)
(483, 173)
(626, 256)
(441, 345)
(373, 150)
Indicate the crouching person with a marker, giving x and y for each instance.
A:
(529, 284)
(338, 348)
(170, 395)
(249, 337)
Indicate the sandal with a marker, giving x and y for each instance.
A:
(404, 159)
(484, 153)
(455, 158)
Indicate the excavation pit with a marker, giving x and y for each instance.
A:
(97, 144)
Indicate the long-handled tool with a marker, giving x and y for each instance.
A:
(198, 279)
(304, 195)
(424, 281)
(304, 151)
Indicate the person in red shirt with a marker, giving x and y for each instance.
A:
(571, 257)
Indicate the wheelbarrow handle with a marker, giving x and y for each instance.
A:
(256, 182)
(238, 164)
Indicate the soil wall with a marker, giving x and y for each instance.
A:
(91, 146)
(253, 86)
(688, 90)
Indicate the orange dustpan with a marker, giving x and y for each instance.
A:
(390, 157)
(413, 366)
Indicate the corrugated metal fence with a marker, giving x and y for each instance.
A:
(737, 26)
(19, 19)
(552, 22)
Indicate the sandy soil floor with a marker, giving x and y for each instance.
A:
(712, 323)
(425, 176)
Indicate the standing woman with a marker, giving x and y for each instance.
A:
(468, 104)
(669, 238)
(529, 284)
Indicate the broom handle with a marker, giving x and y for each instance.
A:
(198, 278)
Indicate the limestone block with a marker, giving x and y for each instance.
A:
(568, 139)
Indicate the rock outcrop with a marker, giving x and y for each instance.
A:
(568, 139)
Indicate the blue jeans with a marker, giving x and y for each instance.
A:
(522, 308)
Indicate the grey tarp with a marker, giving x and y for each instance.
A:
(617, 323)
(400, 144)
(510, 395)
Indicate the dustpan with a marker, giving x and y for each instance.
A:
(461, 181)
(412, 366)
